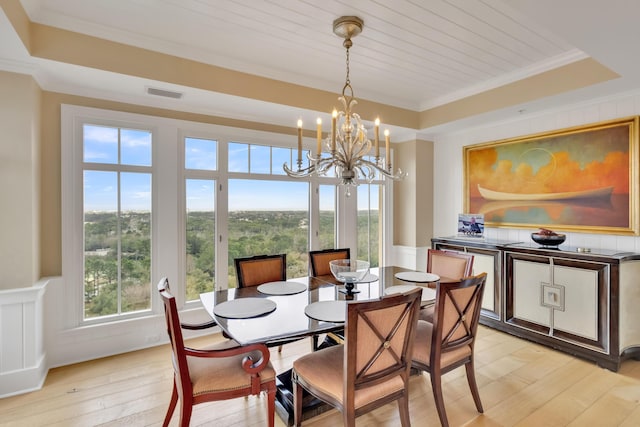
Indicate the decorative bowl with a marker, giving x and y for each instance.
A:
(548, 240)
(348, 271)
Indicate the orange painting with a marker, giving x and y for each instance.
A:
(579, 179)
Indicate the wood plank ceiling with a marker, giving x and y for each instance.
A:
(412, 54)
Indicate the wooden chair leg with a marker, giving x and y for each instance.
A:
(271, 406)
(349, 418)
(172, 405)
(403, 407)
(436, 385)
(297, 402)
(186, 408)
(471, 379)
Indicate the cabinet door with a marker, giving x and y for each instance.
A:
(485, 260)
(483, 263)
(579, 313)
(530, 279)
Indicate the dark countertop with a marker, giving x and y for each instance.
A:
(545, 250)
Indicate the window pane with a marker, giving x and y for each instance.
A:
(279, 157)
(238, 157)
(269, 217)
(200, 154)
(369, 231)
(135, 225)
(100, 144)
(200, 236)
(260, 159)
(117, 226)
(100, 243)
(136, 147)
(327, 227)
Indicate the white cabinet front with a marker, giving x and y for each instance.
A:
(486, 264)
(528, 281)
(579, 315)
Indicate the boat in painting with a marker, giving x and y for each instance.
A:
(603, 192)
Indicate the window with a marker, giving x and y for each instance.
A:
(117, 220)
(369, 220)
(146, 197)
(267, 213)
(327, 223)
(200, 217)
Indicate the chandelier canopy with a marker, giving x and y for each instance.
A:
(348, 143)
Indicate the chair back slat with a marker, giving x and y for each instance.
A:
(451, 264)
(457, 314)
(379, 338)
(256, 270)
(319, 260)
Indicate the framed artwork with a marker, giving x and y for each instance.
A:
(581, 179)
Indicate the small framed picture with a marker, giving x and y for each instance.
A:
(471, 225)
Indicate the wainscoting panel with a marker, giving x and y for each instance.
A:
(22, 355)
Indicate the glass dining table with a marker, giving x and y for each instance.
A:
(281, 312)
(287, 314)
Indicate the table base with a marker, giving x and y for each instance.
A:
(311, 406)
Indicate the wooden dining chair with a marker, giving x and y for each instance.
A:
(214, 373)
(319, 260)
(448, 264)
(259, 269)
(319, 266)
(371, 368)
(448, 342)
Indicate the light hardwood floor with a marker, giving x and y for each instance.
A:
(521, 384)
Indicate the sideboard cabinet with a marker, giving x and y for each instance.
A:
(585, 304)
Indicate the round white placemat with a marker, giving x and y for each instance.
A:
(327, 311)
(244, 308)
(282, 288)
(428, 294)
(368, 278)
(417, 276)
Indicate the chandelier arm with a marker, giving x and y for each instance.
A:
(388, 173)
(300, 173)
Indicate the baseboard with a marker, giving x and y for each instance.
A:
(23, 380)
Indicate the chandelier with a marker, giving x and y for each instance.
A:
(348, 144)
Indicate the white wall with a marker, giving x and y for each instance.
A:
(448, 169)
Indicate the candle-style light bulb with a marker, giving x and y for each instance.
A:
(334, 117)
(299, 142)
(319, 124)
(387, 147)
(377, 137)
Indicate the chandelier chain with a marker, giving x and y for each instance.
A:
(348, 80)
